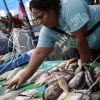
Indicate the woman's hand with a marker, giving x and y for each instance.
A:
(16, 83)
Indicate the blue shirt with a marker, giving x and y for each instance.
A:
(74, 14)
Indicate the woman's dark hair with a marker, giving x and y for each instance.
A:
(45, 5)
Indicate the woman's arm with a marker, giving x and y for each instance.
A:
(36, 60)
(82, 44)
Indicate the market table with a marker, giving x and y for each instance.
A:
(45, 65)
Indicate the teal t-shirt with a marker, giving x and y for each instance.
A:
(74, 14)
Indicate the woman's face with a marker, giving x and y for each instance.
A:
(47, 18)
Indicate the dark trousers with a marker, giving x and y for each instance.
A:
(95, 54)
(65, 53)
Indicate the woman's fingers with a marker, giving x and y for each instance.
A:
(15, 82)
(11, 84)
(17, 85)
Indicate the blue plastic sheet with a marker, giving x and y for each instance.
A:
(24, 58)
(50, 64)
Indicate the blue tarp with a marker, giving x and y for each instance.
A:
(11, 4)
(24, 58)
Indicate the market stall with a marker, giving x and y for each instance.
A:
(54, 71)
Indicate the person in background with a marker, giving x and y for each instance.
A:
(3, 28)
(75, 18)
(5, 47)
(18, 22)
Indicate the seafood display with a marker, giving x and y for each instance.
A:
(9, 74)
(70, 80)
(9, 95)
(77, 81)
(27, 95)
(17, 75)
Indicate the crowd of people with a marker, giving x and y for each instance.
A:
(73, 19)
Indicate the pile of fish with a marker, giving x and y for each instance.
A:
(8, 77)
(70, 80)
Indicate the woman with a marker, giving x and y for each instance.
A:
(75, 17)
(4, 33)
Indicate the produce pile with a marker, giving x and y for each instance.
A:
(70, 80)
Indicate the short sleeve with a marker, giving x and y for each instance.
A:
(46, 38)
(76, 14)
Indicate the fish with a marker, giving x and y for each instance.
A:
(70, 62)
(87, 80)
(82, 84)
(62, 73)
(73, 96)
(50, 80)
(78, 69)
(79, 63)
(70, 72)
(42, 78)
(37, 99)
(66, 75)
(83, 91)
(35, 76)
(76, 80)
(52, 92)
(57, 67)
(85, 97)
(9, 95)
(95, 95)
(9, 74)
(1, 56)
(7, 82)
(97, 70)
(73, 66)
(4, 75)
(27, 94)
(19, 74)
(62, 64)
(62, 96)
(62, 83)
(97, 75)
(90, 77)
(13, 72)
